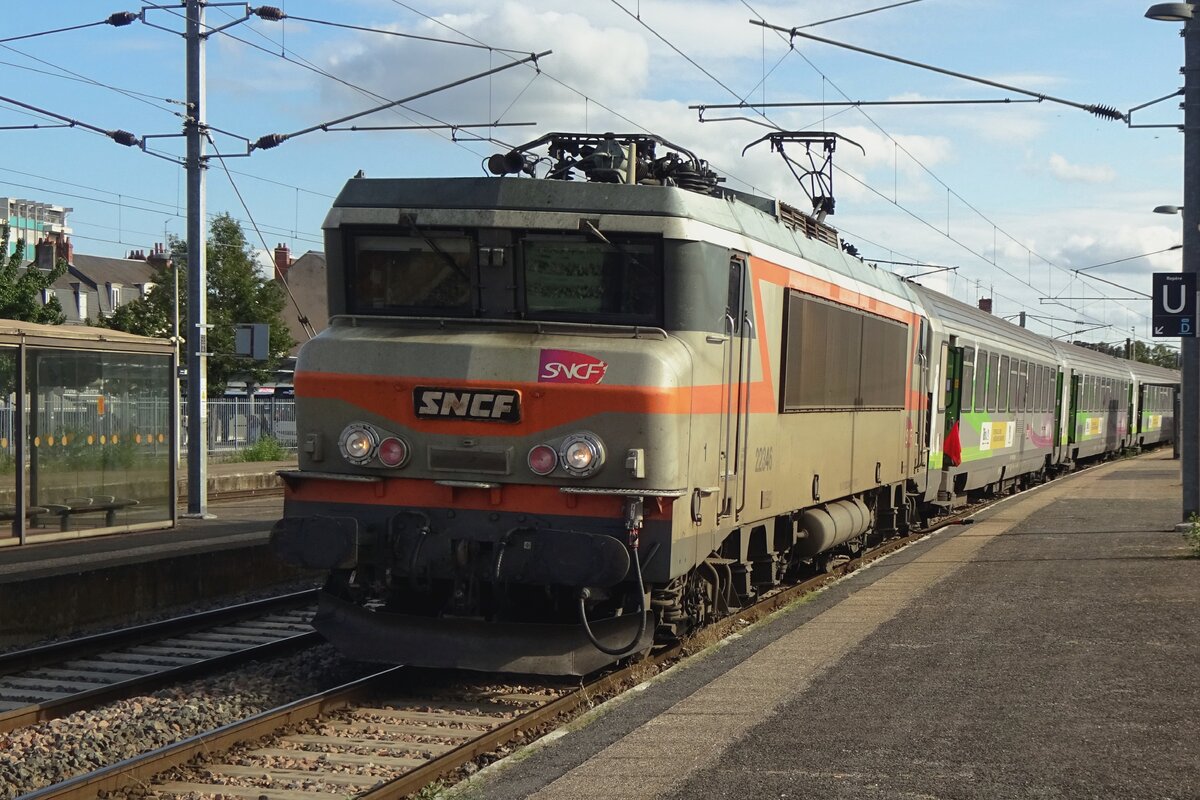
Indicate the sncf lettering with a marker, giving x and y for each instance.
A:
(574, 372)
(567, 366)
(498, 405)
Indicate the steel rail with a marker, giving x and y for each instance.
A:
(56, 652)
(139, 770)
(60, 652)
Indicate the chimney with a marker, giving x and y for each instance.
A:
(44, 254)
(283, 260)
(985, 304)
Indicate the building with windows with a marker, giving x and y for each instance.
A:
(93, 286)
(30, 221)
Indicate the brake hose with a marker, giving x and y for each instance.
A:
(585, 593)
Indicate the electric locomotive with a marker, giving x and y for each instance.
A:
(557, 418)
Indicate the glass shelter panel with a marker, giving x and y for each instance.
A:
(99, 430)
(8, 441)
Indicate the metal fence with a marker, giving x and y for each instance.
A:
(235, 423)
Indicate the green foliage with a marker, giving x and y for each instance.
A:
(237, 294)
(21, 289)
(267, 448)
(1191, 535)
(1158, 354)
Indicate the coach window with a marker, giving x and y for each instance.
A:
(419, 274)
(578, 279)
(1014, 399)
(968, 378)
(1036, 383)
(1022, 403)
(1002, 390)
(993, 380)
(981, 376)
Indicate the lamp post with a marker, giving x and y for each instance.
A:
(1189, 411)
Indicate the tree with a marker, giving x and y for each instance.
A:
(1159, 355)
(237, 294)
(21, 289)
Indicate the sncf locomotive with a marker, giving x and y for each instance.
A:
(597, 399)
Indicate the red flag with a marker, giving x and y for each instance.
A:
(952, 447)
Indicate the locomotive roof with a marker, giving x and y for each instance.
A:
(759, 219)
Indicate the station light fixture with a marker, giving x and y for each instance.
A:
(1170, 12)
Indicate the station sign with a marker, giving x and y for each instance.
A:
(1174, 304)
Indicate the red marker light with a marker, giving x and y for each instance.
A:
(392, 452)
(543, 459)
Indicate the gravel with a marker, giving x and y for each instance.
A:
(51, 752)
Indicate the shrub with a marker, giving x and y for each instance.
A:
(267, 448)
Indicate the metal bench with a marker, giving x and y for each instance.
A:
(88, 505)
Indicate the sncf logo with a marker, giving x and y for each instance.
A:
(565, 366)
(489, 405)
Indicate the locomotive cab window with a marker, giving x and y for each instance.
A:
(576, 278)
(411, 275)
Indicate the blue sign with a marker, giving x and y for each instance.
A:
(1174, 303)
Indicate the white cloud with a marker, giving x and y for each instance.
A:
(1079, 173)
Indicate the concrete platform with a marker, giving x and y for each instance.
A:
(64, 586)
(1049, 650)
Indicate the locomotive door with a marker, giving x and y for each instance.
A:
(735, 417)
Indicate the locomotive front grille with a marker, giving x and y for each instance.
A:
(448, 459)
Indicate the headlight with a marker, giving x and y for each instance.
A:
(582, 454)
(358, 442)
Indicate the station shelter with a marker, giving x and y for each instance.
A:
(88, 442)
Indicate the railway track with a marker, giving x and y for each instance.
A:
(57, 679)
(390, 735)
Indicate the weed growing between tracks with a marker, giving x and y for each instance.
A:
(1191, 535)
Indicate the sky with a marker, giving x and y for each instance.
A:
(1014, 196)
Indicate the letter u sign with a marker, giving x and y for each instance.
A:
(1177, 305)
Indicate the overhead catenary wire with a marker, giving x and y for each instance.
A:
(291, 57)
(934, 176)
(118, 20)
(1104, 111)
(401, 34)
(275, 139)
(305, 325)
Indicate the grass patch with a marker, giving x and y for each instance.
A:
(267, 448)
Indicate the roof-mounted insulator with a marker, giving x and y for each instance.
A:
(269, 13)
(124, 137)
(269, 141)
(122, 18)
(1108, 112)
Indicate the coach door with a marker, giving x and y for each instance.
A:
(735, 417)
(950, 403)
